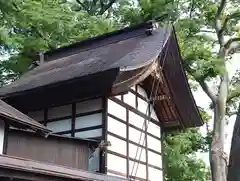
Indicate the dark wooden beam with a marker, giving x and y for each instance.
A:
(103, 157)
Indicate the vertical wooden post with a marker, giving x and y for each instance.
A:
(103, 154)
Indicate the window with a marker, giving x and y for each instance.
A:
(60, 126)
(88, 121)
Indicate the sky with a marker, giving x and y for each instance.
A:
(203, 101)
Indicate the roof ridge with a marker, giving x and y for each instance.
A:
(79, 45)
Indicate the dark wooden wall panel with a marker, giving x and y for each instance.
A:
(54, 149)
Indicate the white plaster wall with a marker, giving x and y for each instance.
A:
(119, 164)
(137, 169)
(116, 127)
(155, 175)
(117, 145)
(2, 132)
(116, 110)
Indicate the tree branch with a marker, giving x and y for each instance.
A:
(218, 24)
(192, 9)
(83, 6)
(207, 90)
(229, 114)
(232, 44)
(228, 18)
(203, 84)
(51, 47)
(233, 94)
(221, 8)
(106, 7)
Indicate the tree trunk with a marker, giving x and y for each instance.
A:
(234, 160)
(218, 159)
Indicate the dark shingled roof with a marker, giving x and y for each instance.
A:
(108, 65)
(134, 51)
(14, 117)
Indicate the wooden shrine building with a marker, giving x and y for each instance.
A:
(113, 96)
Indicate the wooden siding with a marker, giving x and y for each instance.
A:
(54, 149)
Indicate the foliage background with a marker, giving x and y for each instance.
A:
(32, 26)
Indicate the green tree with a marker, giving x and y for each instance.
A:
(93, 7)
(205, 57)
(34, 26)
(181, 148)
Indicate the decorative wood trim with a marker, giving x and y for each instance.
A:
(73, 119)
